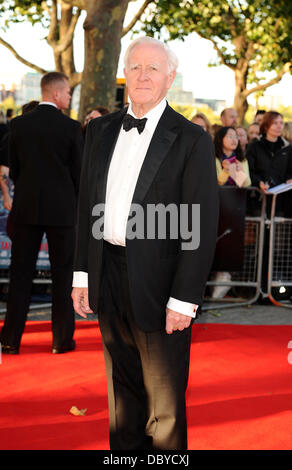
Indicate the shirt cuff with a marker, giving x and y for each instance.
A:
(182, 307)
(80, 279)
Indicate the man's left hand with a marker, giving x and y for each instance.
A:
(176, 321)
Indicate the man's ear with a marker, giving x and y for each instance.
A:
(125, 73)
(55, 94)
(171, 78)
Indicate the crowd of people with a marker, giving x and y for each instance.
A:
(148, 291)
(262, 151)
(258, 155)
(255, 150)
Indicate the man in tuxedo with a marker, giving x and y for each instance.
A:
(145, 287)
(45, 152)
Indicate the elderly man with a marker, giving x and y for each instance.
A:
(229, 117)
(145, 284)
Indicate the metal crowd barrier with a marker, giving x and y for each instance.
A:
(41, 277)
(280, 255)
(248, 284)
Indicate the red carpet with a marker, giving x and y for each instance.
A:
(239, 396)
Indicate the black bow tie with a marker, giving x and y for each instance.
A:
(129, 122)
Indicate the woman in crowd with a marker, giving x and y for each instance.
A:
(228, 152)
(253, 131)
(201, 120)
(232, 169)
(287, 131)
(243, 139)
(270, 163)
(93, 114)
(270, 157)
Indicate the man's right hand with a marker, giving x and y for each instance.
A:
(80, 301)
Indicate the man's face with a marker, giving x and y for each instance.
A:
(62, 95)
(147, 75)
(230, 118)
(259, 118)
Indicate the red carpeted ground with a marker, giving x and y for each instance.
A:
(239, 396)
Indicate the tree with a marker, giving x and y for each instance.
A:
(60, 20)
(251, 37)
(103, 28)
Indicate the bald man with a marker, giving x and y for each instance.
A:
(229, 117)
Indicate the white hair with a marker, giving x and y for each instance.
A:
(171, 57)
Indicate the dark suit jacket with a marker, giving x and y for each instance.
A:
(275, 168)
(179, 168)
(45, 153)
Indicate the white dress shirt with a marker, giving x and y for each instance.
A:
(49, 102)
(125, 166)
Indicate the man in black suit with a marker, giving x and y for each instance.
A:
(45, 152)
(146, 281)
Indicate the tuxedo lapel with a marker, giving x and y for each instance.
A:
(107, 145)
(162, 140)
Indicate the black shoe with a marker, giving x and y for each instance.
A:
(9, 349)
(64, 349)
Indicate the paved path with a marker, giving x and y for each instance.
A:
(250, 315)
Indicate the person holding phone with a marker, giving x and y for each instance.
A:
(232, 170)
(231, 165)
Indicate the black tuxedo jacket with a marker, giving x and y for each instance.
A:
(179, 168)
(45, 153)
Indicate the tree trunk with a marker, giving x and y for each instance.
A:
(66, 62)
(60, 38)
(103, 30)
(67, 58)
(240, 101)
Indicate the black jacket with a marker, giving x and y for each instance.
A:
(269, 165)
(4, 128)
(179, 168)
(45, 153)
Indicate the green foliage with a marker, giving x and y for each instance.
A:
(9, 103)
(286, 111)
(210, 114)
(186, 110)
(249, 115)
(260, 28)
(18, 11)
